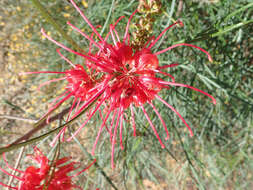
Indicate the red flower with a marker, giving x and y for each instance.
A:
(81, 85)
(124, 77)
(54, 175)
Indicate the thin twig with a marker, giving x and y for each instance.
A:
(16, 166)
(179, 8)
(41, 126)
(18, 118)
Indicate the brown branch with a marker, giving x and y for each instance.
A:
(41, 126)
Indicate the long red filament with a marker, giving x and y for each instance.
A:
(100, 129)
(161, 119)
(87, 21)
(132, 119)
(114, 137)
(162, 33)
(174, 110)
(127, 27)
(184, 44)
(152, 126)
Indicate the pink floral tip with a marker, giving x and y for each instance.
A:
(51, 175)
(118, 77)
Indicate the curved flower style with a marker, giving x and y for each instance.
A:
(120, 77)
(53, 176)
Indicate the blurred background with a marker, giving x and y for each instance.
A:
(220, 154)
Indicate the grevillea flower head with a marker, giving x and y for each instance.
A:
(80, 83)
(125, 77)
(52, 175)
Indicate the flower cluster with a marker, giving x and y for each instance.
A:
(117, 77)
(49, 175)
